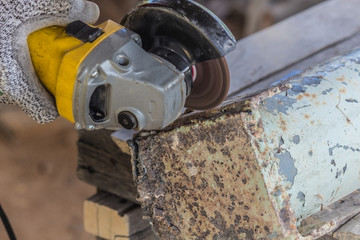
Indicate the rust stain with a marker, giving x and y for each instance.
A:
(307, 116)
(342, 90)
(283, 125)
(341, 79)
(255, 128)
(320, 196)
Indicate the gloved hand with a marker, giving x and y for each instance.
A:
(19, 83)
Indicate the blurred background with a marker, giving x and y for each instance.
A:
(38, 186)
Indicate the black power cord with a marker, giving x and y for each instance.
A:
(7, 224)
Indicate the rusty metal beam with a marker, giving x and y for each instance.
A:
(266, 155)
(259, 165)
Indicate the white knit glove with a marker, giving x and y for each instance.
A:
(19, 84)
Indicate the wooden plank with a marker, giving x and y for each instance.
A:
(290, 41)
(101, 217)
(332, 217)
(337, 49)
(110, 217)
(102, 164)
(350, 230)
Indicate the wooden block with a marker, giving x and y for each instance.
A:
(350, 230)
(109, 217)
(103, 164)
(333, 216)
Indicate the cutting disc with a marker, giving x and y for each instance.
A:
(187, 34)
(210, 86)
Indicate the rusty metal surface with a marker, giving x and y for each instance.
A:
(202, 181)
(259, 165)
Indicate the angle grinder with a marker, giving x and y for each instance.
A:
(140, 74)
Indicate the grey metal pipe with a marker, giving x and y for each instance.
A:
(308, 143)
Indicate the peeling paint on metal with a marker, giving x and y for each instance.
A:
(326, 91)
(352, 100)
(296, 139)
(296, 89)
(331, 66)
(301, 197)
(311, 81)
(287, 166)
(279, 104)
(319, 109)
(331, 150)
(323, 114)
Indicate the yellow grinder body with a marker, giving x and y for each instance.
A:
(57, 57)
(138, 75)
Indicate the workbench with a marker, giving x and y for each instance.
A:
(165, 164)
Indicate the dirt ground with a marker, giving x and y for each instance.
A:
(38, 186)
